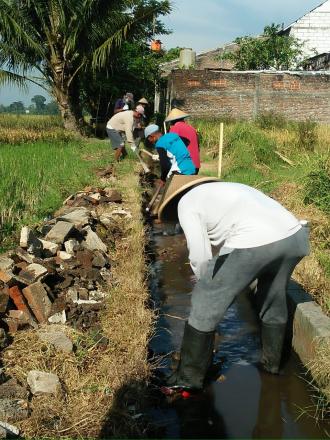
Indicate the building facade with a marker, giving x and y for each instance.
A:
(313, 29)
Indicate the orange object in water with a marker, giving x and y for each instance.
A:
(156, 45)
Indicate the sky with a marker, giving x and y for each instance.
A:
(206, 24)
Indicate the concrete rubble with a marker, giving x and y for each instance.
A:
(57, 277)
(41, 382)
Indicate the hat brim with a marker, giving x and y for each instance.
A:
(175, 189)
(177, 118)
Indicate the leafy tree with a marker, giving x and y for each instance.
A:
(39, 102)
(135, 68)
(271, 50)
(51, 108)
(64, 39)
(16, 107)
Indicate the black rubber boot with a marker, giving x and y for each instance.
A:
(272, 338)
(196, 358)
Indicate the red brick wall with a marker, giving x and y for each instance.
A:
(245, 95)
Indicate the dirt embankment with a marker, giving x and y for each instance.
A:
(98, 373)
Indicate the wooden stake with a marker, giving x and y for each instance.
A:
(220, 150)
(165, 128)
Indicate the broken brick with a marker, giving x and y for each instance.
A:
(19, 301)
(37, 298)
(7, 276)
(4, 298)
(32, 273)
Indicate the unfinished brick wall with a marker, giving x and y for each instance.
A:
(244, 95)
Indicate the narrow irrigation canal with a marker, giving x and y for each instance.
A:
(243, 402)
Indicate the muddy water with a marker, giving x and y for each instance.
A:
(243, 402)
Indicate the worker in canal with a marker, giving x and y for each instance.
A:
(120, 128)
(174, 156)
(258, 239)
(178, 124)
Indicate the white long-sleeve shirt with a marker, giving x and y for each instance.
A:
(233, 216)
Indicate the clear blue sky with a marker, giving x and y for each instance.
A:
(206, 24)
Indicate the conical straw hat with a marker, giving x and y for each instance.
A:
(176, 114)
(143, 101)
(174, 190)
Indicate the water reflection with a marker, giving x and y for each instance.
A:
(245, 403)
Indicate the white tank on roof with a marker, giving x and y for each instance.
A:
(187, 58)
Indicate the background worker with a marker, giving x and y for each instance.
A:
(121, 127)
(125, 103)
(174, 157)
(139, 129)
(176, 118)
(260, 239)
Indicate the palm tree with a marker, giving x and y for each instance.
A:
(60, 39)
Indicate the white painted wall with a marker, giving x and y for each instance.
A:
(314, 29)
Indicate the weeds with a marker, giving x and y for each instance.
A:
(269, 120)
(307, 135)
(317, 187)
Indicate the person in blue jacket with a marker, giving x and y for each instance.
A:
(174, 156)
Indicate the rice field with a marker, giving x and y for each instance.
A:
(40, 165)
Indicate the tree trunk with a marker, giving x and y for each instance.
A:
(67, 97)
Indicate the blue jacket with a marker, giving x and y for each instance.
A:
(174, 156)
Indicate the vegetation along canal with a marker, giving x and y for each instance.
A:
(243, 402)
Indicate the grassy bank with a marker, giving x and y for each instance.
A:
(291, 162)
(100, 382)
(36, 177)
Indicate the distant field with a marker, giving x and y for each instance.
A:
(291, 162)
(17, 129)
(35, 177)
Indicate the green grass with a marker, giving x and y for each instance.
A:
(35, 178)
(300, 178)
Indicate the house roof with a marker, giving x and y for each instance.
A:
(294, 22)
(205, 60)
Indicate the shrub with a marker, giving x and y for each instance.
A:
(307, 134)
(317, 187)
(268, 120)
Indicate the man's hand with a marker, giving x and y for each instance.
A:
(160, 182)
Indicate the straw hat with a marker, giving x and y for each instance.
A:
(174, 190)
(143, 101)
(176, 114)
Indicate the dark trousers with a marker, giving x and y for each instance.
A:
(271, 264)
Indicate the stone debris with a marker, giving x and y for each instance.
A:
(64, 255)
(6, 263)
(13, 410)
(71, 246)
(79, 217)
(60, 232)
(41, 382)
(92, 241)
(58, 318)
(121, 213)
(32, 273)
(12, 389)
(49, 248)
(60, 271)
(8, 431)
(58, 339)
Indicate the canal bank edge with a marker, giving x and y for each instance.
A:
(310, 335)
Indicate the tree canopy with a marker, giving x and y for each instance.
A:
(65, 40)
(271, 50)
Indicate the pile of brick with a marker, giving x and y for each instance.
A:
(58, 276)
(61, 270)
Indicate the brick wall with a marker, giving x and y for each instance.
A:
(246, 94)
